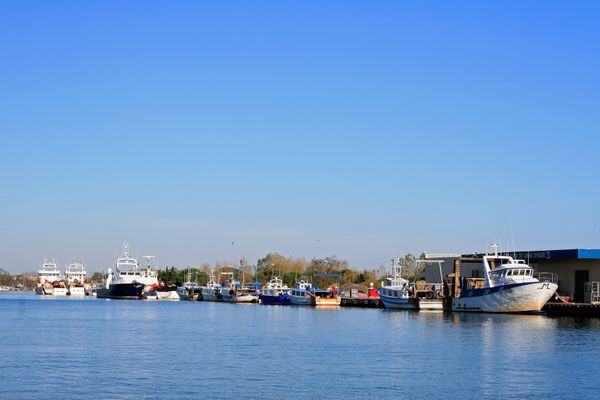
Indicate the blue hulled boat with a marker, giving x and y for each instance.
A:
(275, 293)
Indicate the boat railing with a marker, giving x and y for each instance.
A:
(546, 277)
(592, 292)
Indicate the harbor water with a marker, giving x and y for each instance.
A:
(90, 348)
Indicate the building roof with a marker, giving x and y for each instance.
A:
(568, 254)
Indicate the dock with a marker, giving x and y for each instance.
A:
(371, 302)
(573, 309)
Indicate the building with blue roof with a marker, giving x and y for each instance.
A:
(573, 268)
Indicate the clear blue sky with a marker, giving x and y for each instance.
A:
(378, 127)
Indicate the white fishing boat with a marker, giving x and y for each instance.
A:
(48, 277)
(75, 278)
(302, 294)
(395, 291)
(507, 286)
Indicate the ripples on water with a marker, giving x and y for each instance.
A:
(74, 349)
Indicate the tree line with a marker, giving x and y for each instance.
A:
(290, 269)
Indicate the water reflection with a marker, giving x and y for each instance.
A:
(221, 350)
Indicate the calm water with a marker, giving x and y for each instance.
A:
(75, 349)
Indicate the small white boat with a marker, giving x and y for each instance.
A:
(167, 292)
(395, 291)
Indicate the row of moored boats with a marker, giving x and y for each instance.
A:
(507, 285)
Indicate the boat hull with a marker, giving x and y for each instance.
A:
(239, 298)
(527, 297)
(302, 300)
(59, 291)
(398, 303)
(280, 300)
(77, 291)
(211, 295)
(170, 295)
(183, 293)
(122, 291)
(431, 304)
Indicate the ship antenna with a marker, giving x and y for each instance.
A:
(513, 239)
(495, 247)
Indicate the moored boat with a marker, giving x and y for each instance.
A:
(75, 277)
(167, 292)
(212, 290)
(507, 286)
(275, 293)
(234, 291)
(184, 293)
(396, 291)
(48, 276)
(302, 294)
(121, 283)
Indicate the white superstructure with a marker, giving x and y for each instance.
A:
(129, 271)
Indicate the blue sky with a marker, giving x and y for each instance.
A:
(378, 127)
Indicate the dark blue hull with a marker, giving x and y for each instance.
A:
(274, 300)
(125, 291)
